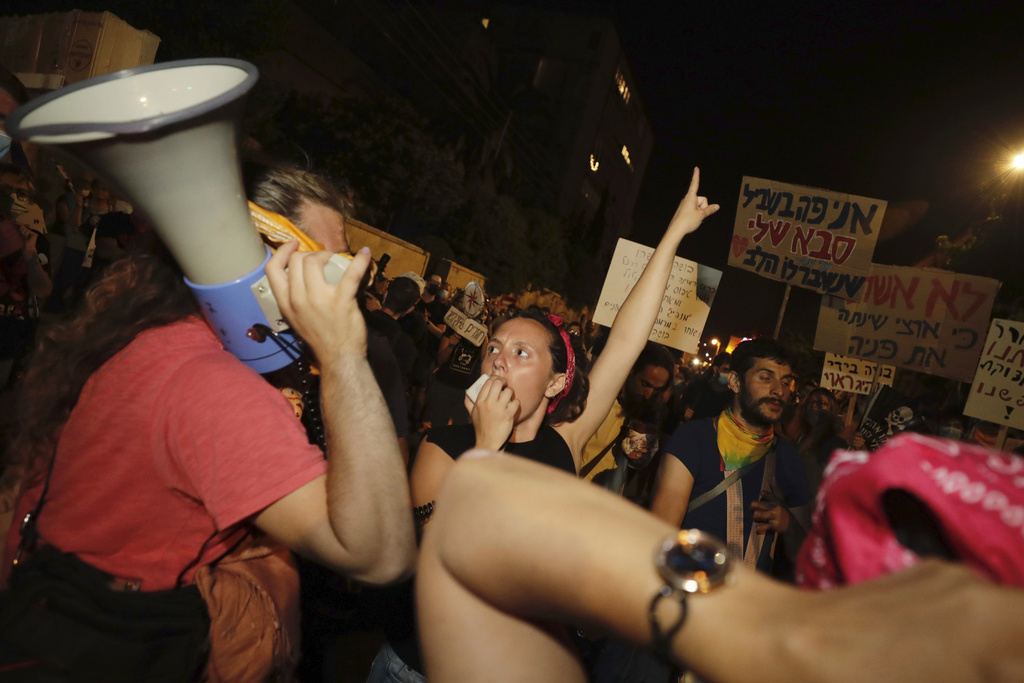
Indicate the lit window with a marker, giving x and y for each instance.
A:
(485, 21)
(594, 163)
(625, 155)
(620, 81)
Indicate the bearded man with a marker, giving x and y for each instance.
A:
(729, 475)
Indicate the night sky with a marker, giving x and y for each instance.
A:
(896, 101)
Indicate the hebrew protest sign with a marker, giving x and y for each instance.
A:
(842, 373)
(804, 236)
(684, 310)
(997, 394)
(467, 328)
(922, 319)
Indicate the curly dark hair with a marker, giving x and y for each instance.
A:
(746, 354)
(136, 293)
(572, 405)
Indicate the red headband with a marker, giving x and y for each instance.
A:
(570, 363)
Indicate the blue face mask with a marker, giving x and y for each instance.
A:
(723, 379)
(5, 144)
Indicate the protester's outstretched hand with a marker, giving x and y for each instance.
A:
(494, 414)
(326, 316)
(769, 516)
(692, 210)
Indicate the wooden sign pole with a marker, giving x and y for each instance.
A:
(851, 408)
(1001, 437)
(782, 312)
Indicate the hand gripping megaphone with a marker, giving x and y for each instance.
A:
(166, 137)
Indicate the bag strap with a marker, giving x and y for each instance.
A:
(722, 486)
(618, 479)
(29, 525)
(729, 480)
(755, 541)
(588, 468)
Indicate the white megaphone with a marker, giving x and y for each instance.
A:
(166, 137)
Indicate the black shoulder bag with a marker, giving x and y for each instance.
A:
(63, 619)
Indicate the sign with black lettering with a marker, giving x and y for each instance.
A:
(842, 373)
(922, 319)
(997, 394)
(687, 300)
(468, 329)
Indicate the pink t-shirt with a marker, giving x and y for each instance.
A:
(172, 440)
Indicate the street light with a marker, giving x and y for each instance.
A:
(717, 344)
(1018, 161)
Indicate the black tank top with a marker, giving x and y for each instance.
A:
(548, 448)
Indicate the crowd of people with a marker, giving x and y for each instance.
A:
(510, 531)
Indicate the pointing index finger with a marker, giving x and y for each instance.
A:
(694, 182)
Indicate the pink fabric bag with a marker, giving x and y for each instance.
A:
(976, 495)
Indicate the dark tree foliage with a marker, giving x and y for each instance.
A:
(400, 165)
(385, 151)
(381, 146)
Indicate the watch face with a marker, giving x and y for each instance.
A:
(693, 561)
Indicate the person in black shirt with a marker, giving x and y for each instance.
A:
(709, 395)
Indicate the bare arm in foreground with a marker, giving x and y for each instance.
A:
(355, 519)
(519, 548)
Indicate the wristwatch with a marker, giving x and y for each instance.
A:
(692, 561)
(689, 561)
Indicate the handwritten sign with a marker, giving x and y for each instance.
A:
(468, 329)
(922, 319)
(687, 301)
(842, 373)
(997, 394)
(804, 236)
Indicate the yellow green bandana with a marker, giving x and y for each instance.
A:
(737, 444)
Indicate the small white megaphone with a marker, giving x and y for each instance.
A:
(166, 138)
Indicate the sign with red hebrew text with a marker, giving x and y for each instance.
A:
(922, 319)
(806, 237)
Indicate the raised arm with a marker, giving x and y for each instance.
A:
(356, 519)
(634, 320)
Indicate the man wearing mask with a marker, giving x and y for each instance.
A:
(433, 303)
(709, 395)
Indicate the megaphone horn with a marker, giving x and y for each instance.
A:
(166, 137)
